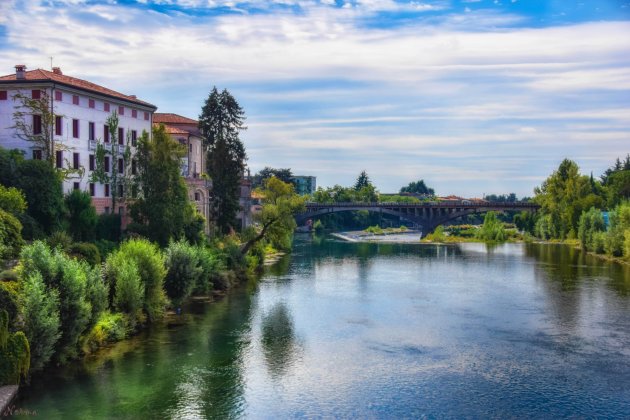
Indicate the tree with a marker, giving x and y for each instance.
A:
(362, 181)
(280, 204)
(118, 174)
(220, 122)
(42, 188)
(82, 216)
(283, 174)
(591, 222)
(163, 207)
(417, 187)
(12, 206)
(563, 196)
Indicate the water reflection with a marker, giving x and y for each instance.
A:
(279, 343)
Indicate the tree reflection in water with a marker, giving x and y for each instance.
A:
(280, 347)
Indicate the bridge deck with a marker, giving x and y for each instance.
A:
(430, 205)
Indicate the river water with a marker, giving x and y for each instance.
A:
(377, 331)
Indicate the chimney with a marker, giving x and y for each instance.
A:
(20, 71)
(57, 70)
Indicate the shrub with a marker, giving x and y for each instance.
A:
(15, 354)
(82, 218)
(60, 240)
(598, 243)
(12, 200)
(9, 298)
(10, 235)
(183, 271)
(109, 328)
(492, 229)
(87, 252)
(8, 275)
(105, 247)
(211, 264)
(40, 318)
(152, 270)
(318, 226)
(591, 221)
(96, 293)
(129, 292)
(626, 244)
(437, 235)
(108, 227)
(376, 230)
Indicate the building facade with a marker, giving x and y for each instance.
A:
(186, 132)
(304, 185)
(80, 110)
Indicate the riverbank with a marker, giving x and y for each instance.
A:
(408, 236)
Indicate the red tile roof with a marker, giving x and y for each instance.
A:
(172, 130)
(168, 118)
(41, 75)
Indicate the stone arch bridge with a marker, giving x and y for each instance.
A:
(425, 216)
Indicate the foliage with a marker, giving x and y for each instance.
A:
(619, 223)
(9, 162)
(417, 187)
(9, 299)
(183, 271)
(283, 174)
(87, 252)
(276, 218)
(366, 193)
(149, 263)
(502, 198)
(10, 235)
(15, 354)
(59, 240)
(492, 229)
(618, 186)
(211, 266)
(110, 328)
(616, 167)
(318, 226)
(598, 242)
(438, 235)
(129, 291)
(96, 292)
(25, 109)
(563, 196)
(40, 318)
(163, 206)
(363, 180)
(43, 190)
(401, 199)
(376, 230)
(220, 122)
(82, 218)
(525, 221)
(12, 200)
(108, 227)
(105, 247)
(591, 221)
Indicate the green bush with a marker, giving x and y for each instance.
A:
(108, 227)
(376, 230)
(82, 218)
(211, 265)
(9, 298)
(109, 328)
(591, 221)
(183, 271)
(598, 242)
(15, 354)
(10, 235)
(86, 252)
(626, 244)
(40, 318)
(492, 229)
(96, 293)
(105, 247)
(318, 226)
(437, 235)
(60, 240)
(129, 291)
(8, 275)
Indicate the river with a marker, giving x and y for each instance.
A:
(376, 331)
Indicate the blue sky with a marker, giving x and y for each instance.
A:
(474, 96)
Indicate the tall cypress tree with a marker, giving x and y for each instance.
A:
(220, 122)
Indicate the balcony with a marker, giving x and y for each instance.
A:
(91, 144)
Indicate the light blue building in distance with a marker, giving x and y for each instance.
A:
(304, 184)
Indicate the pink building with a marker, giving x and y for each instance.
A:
(81, 109)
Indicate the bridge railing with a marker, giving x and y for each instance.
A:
(430, 204)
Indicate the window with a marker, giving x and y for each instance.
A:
(134, 167)
(58, 96)
(37, 154)
(121, 166)
(37, 124)
(120, 191)
(59, 159)
(146, 116)
(106, 195)
(105, 107)
(36, 94)
(3, 95)
(106, 163)
(75, 99)
(92, 162)
(58, 125)
(91, 103)
(91, 131)
(121, 110)
(91, 189)
(106, 209)
(190, 147)
(197, 196)
(75, 161)
(76, 186)
(106, 133)
(134, 113)
(75, 129)
(121, 135)
(134, 137)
